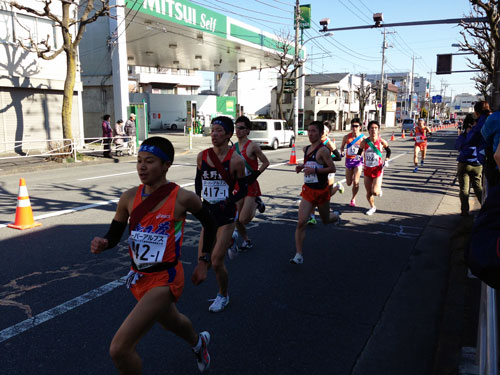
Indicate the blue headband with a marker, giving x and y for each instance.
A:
(156, 151)
(227, 125)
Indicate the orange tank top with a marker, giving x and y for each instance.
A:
(158, 237)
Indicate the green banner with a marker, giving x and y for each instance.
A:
(305, 16)
(182, 12)
(226, 105)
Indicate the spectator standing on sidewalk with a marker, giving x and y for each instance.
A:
(107, 135)
(120, 138)
(469, 169)
(130, 132)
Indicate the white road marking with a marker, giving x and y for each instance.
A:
(117, 174)
(27, 324)
(81, 208)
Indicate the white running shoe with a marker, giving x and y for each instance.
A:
(232, 252)
(340, 188)
(337, 223)
(219, 303)
(297, 259)
(371, 211)
(202, 356)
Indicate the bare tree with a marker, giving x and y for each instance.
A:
(286, 69)
(364, 92)
(75, 16)
(482, 39)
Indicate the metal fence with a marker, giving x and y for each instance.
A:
(65, 147)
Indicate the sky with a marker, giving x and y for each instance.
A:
(359, 51)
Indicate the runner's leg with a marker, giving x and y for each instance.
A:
(246, 209)
(369, 193)
(377, 185)
(305, 210)
(143, 316)
(224, 235)
(326, 216)
(356, 175)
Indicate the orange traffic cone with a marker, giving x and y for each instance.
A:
(411, 133)
(24, 214)
(403, 134)
(293, 156)
(392, 137)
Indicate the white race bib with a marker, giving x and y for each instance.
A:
(353, 150)
(420, 139)
(214, 190)
(371, 158)
(312, 178)
(147, 248)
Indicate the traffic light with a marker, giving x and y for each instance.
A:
(444, 64)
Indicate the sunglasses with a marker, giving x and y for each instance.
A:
(355, 126)
(241, 127)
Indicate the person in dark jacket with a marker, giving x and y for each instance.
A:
(107, 135)
(469, 169)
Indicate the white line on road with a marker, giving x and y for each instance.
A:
(81, 208)
(27, 324)
(117, 174)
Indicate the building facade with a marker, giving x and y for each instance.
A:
(31, 89)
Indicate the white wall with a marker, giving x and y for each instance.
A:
(254, 90)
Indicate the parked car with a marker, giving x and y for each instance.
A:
(271, 133)
(179, 123)
(446, 122)
(436, 122)
(408, 125)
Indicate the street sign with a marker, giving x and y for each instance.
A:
(437, 99)
(305, 16)
(457, 107)
(379, 105)
(289, 86)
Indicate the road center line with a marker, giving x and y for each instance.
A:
(117, 174)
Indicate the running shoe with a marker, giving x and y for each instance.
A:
(415, 170)
(312, 220)
(337, 223)
(202, 356)
(297, 259)
(371, 211)
(422, 162)
(246, 245)
(341, 188)
(353, 203)
(232, 252)
(260, 205)
(219, 303)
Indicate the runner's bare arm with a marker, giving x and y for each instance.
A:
(118, 225)
(238, 173)
(188, 201)
(257, 151)
(323, 155)
(344, 142)
(197, 179)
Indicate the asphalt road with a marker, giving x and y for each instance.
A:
(367, 299)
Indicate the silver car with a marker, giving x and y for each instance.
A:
(408, 125)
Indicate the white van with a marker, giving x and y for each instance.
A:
(271, 133)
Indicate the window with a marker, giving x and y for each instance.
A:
(6, 29)
(277, 125)
(259, 125)
(38, 29)
(345, 95)
(287, 98)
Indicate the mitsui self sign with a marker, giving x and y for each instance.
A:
(184, 13)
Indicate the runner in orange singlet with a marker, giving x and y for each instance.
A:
(315, 191)
(251, 154)
(157, 211)
(373, 165)
(421, 132)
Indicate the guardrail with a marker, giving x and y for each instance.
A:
(61, 147)
(487, 336)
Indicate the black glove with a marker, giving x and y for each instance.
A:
(252, 177)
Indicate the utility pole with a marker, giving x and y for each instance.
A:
(496, 75)
(296, 62)
(412, 85)
(430, 97)
(382, 80)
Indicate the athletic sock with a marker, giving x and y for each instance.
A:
(197, 347)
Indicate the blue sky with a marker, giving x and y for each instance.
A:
(359, 51)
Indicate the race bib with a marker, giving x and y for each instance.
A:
(214, 190)
(353, 150)
(420, 139)
(371, 158)
(147, 248)
(312, 178)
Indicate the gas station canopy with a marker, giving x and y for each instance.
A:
(183, 35)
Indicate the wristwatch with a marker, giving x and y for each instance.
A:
(205, 258)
